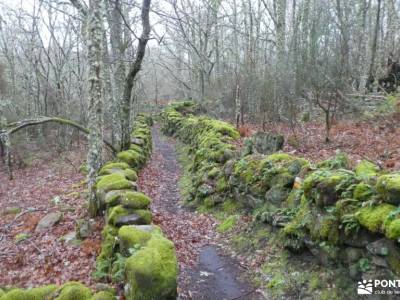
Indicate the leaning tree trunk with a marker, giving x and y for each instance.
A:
(95, 124)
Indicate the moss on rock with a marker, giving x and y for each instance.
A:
(151, 272)
(113, 165)
(131, 157)
(117, 212)
(366, 170)
(114, 181)
(103, 295)
(339, 161)
(144, 214)
(372, 217)
(135, 200)
(388, 187)
(39, 293)
(363, 191)
(325, 186)
(74, 291)
(132, 236)
(392, 230)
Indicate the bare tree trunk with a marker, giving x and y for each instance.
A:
(118, 53)
(95, 124)
(371, 72)
(129, 81)
(238, 109)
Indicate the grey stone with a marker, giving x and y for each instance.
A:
(276, 195)
(379, 261)
(137, 141)
(71, 239)
(84, 228)
(267, 143)
(379, 247)
(132, 219)
(353, 254)
(49, 220)
(360, 239)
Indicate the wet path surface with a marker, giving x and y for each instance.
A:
(205, 273)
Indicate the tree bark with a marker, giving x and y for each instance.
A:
(95, 124)
(129, 80)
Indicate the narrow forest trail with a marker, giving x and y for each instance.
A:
(205, 273)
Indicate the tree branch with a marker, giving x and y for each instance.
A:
(16, 126)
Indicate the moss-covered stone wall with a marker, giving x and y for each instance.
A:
(68, 291)
(134, 251)
(342, 215)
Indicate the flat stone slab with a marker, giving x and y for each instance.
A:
(49, 221)
(132, 219)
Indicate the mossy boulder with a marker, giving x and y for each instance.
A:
(103, 295)
(128, 199)
(136, 217)
(326, 227)
(388, 187)
(373, 217)
(133, 236)
(135, 200)
(363, 191)
(74, 291)
(151, 272)
(325, 187)
(38, 293)
(131, 157)
(145, 215)
(366, 170)
(114, 181)
(115, 213)
(392, 229)
(113, 166)
(339, 161)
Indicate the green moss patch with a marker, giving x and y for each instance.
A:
(135, 200)
(114, 181)
(366, 170)
(227, 224)
(372, 217)
(131, 157)
(388, 187)
(151, 272)
(131, 237)
(74, 291)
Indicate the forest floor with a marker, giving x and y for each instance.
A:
(375, 139)
(28, 258)
(205, 271)
(53, 183)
